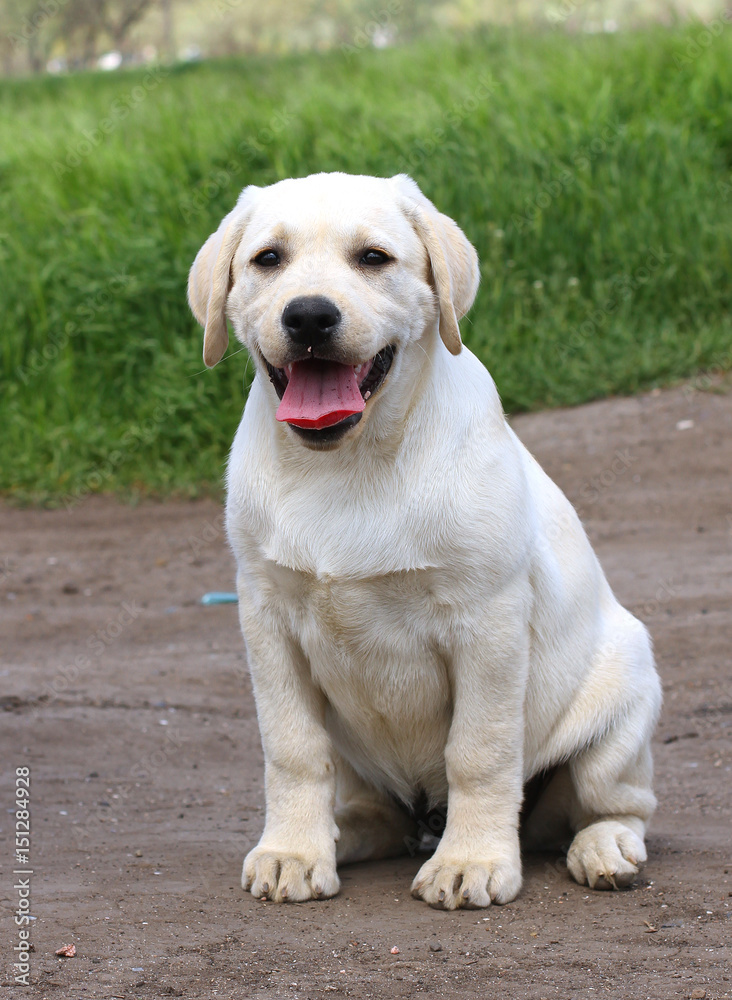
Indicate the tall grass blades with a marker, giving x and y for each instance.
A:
(593, 174)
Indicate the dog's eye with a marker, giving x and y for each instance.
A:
(267, 258)
(373, 257)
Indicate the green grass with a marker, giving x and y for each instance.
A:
(595, 179)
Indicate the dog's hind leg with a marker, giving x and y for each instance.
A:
(612, 777)
(371, 824)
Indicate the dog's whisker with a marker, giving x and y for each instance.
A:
(425, 353)
(227, 358)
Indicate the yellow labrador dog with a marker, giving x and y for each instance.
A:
(425, 620)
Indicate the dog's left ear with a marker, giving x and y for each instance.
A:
(453, 259)
(209, 281)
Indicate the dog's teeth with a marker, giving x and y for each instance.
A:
(366, 395)
(288, 370)
(357, 369)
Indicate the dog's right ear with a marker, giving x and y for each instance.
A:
(453, 260)
(209, 281)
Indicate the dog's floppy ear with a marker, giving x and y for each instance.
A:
(453, 259)
(209, 281)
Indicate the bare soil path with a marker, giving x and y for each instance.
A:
(131, 704)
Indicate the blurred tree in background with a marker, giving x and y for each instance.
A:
(63, 35)
(77, 29)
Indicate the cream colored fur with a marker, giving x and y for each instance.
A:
(421, 608)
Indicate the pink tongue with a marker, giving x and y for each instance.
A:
(320, 394)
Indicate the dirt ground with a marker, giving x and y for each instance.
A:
(130, 703)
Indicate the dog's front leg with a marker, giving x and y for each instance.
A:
(295, 859)
(478, 859)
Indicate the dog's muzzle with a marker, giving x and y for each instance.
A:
(317, 394)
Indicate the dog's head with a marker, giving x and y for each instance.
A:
(328, 280)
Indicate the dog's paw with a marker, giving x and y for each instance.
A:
(289, 877)
(449, 883)
(606, 855)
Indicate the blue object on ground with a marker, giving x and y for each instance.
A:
(217, 597)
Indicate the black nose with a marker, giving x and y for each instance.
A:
(311, 320)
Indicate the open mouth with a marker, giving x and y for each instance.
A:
(326, 397)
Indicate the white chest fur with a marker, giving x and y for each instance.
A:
(376, 648)
(378, 566)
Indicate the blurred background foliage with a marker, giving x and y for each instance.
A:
(75, 34)
(591, 167)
